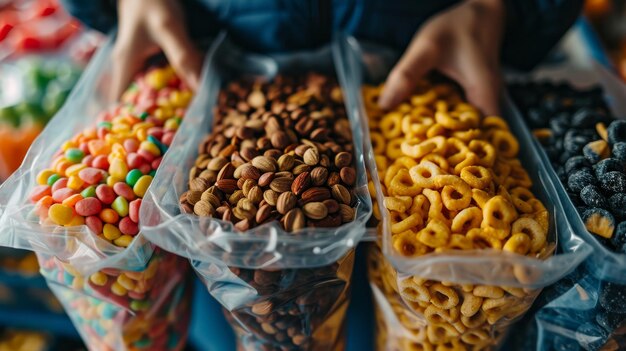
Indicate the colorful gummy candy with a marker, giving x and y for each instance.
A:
(99, 176)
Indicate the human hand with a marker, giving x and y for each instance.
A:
(463, 43)
(145, 28)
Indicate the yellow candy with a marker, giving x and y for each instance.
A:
(111, 232)
(74, 182)
(68, 145)
(142, 134)
(119, 128)
(117, 289)
(118, 168)
(123, 241)
(112, 139)
(42, 177)
(171, 124)
(74, 169)
(60, 214)
(99, 279)
(157, 79)
(111, 180)
(150, 147)
(126, 282)
(142, 185)
(76, 221)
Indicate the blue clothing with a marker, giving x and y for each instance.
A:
(533, 26)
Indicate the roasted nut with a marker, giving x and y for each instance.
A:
(331, 205)
(341, 194)
(286, 201)
(271, 197)
(301, 183)
(193, 196)
(198, 184)
(315, 194)
(348, 175)
(247, 171)
(226, 185)
(311, 157)
(256, 99)
(209, 196)
(333, 178)
(203, 209)
(255, 194)
(294, 220)
(347, 213)
(280, 185)
(343, 159)
(315, 210)
(264, 164)
(263, 213)
(266, 179)
(227, 171)
(285, 163)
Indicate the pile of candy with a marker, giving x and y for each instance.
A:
(98, 179)
(280, 151)
(451, 181)
(587, 148)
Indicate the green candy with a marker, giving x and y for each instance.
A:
(139, 305)
(106, 125)
(133, 176)
(53, 179)
(74, 155)
(89, 192)
(143, 116)
(152, 173)
(120, 205)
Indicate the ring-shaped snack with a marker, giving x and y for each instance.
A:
(423, 174)
(434, 314)
(438, 160)
(390, 173)
(398, 203)
(379, 143)
(474, 321)
(518, 243)
(476, 337)
(436, 130)
(417, 148)
(505, 143)
(458, 242)
(520, 197)
(444, 297)
(391, 125)
(435, 206)
(471, 304)
(412, 222)
(426, 98)
(406, 244)
(494, 122)
(530, 227)
(467, 135)
(480, 197)
(439, 333)
(499, 213)
(420, 205)
(483, 240)
(435, 234)
(488, 291)
(406, 161)
(484, 151)
(456, 151)
(456, 197)
(413, 292)
(476, 176)
(403, 184)
(393, 150)
(468, 218)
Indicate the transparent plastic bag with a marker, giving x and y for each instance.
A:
(141, 289)
(279, 290)
(514, 280)
(585, 310)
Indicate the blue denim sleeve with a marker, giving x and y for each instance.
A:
(534, 27)
(97, 14)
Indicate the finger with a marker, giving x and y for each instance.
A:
(127, 64)
(420, 57)
(481, 81)
(180, 50)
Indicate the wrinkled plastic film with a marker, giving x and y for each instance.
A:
(438, 299)
(604, 263)
(202, 238)
(20, 226)
(278, 290)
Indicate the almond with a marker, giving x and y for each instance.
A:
(193, 196)
(264, 164)
(228, 186)
(266, 178)
(341, 194)
(279, 140)
(315, 194)
(198, 184)
(331, 205)
(319, 175)
(256, 99)
(315, 210)
(348, 175)
(343, 159)
(203, 209)
(280, 185)
(294, 220)
(263, 213)
(346, 212)
(286, 201)
(270, 196)
(255, 194)
(247, 171)
(285, 163)
(301, 183)
(297, 170)
(227, 171)
(311, 157)
(211, 198)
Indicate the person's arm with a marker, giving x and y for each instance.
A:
(533, 27)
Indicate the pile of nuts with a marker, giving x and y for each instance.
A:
(451, 181)
(279, 151)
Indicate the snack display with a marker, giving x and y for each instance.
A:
(451, 180)
(281, 151)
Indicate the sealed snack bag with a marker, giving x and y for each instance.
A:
(271, 202)
(584, 145)
(76, 203)
(467, 237)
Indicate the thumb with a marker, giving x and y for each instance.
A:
(481, 82)
(420, 57)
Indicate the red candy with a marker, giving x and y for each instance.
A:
(101, 162)
(88, 160)
(101, 133)
(91, 175)
(94, 223)
(156, 132)
(39, 192)
(131, 145)
(168, 138)
(105, 194)
(88, 207)
(145, 168)
(128, 227)
(156, 163)
(133, 210)
(63, 194)
(146, 155)
(124, 190)
(59, 184)
(134, 160)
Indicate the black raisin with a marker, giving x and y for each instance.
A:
(619, 151)
(612, 297)
(614, 182)
(617, 205)
(580, 179)
(607, 165)
(592, 197)
(616, 132)
(575, 163)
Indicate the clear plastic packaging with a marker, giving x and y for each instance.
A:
(410, 323)
(279, 290)
(118, 298)
(585, 310)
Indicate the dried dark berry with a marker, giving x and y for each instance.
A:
(584, 118)
(599, 221)
(616, 132)
(592, 197)
(617, 205)
(610, 321)
(590, 336)
(619, 151)
(580, 179)
(573, 142)
(619, 236)
(612, 297)
(575, 163)
(607, 165)
(614, 182)
(559, 125)
(596, 151)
